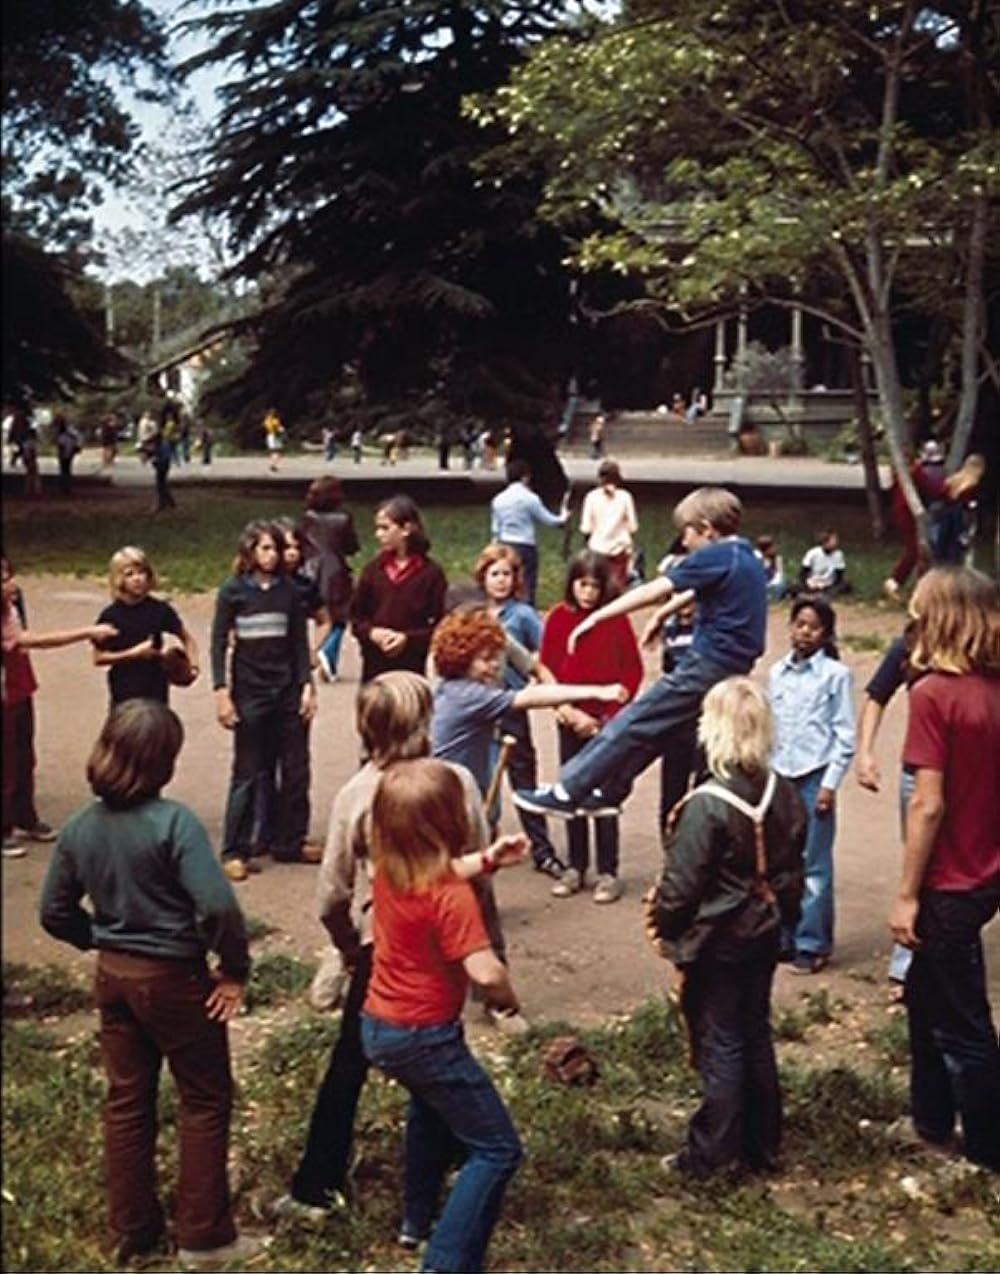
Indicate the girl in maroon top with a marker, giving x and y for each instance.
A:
(400, 595)
(602, 656)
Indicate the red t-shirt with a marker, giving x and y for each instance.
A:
(421, 940)
(18, 676)
(954, 728)
(607, 654)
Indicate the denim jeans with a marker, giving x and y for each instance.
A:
(814, 935)
(331, 645)
(899, 960)
(727, 1007)
(577, 832)
(642, 731)
(453, 1107)
(954, 1055)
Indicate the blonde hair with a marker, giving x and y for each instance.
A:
(957, 622)
(722, 510)
(736, 728)
(393, 716)
(418, 822)
(128, 556)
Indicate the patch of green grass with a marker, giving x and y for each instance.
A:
(275, 978)
(863, 641)
(815, 1008)
(53, 991)
(257, 928)
(891, 1039)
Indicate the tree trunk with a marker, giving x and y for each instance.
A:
(873, 490)
(972, 322)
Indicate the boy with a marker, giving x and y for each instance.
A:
(720, 570)
(824, 569)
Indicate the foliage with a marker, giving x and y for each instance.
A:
(275, 977)
(52, 989)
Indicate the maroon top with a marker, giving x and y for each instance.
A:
(413, 605)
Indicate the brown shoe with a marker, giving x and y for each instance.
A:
(311, 852)
(235, 869)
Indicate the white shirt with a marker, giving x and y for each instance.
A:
(823, 566)
(608, 520)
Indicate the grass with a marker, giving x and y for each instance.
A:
(591, 1194)
(193, 547)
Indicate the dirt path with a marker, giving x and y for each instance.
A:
(570, 958)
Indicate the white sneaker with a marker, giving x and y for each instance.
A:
(568, 884)
(243, 1248)
(607, 889)
(12, 848)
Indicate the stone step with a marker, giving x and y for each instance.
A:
(641, 433)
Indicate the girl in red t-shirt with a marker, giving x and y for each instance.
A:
(602, 656)
(430, 941)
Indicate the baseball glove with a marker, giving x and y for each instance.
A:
(177, 666)
(567, 1061)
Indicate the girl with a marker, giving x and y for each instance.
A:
(429, 943)
(158, 905)
(393, 719)
(400, 595)
(19, 686)
(732, 877)
(134, 657)
(810, 691)
(265, 696)
(608, 521)
(498, 573)
(610, 656)
(328, 540)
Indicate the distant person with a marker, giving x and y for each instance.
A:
(514, 514)
(597, 437)
(824, 568)
(158, 906)
(953, 519)
(927, 472)
(697, 407)
(274, 438)
(678, 407)
(329, 443)
(109, 440)
(146, 435)
(206, 441)
(774, 567)
(357, 445)
(328, 541)
(23, 437)
(67, 449)
(162, 457)
(609, 522)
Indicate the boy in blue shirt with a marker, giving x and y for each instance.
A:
(720, 571)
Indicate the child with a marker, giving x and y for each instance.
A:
(357, 444)
(393, 718)
(134, 658)
(810, 691)
(611, 655)
(469, 702)
(728, 581)
(20, 817)
(732, 877)
(159, 904)
(400, 595)
(608, 521)
(774, 567)
(824, 570)
(429, 943)
(498, 573)
(328, 540)
(265, 697)
(274, 437)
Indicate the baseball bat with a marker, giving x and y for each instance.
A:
(506, 745)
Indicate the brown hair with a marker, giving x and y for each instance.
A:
(500, 553)
(250, 537)
(608, 471)
(393, 715)
(324, 495)
(957, 622)
(718, 507)
(461, 636)
(404, 512)
(135, 753)
(419, 822)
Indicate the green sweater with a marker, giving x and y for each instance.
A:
(155, 887)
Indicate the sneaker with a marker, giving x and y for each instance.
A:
(607, 889)
(12, 848)
(596, 805)
(891, 589)
(550, 865)
(570, 883)
(411, 1236)
(326, 672)
(236, 869)
(553, 799)
(310, 852)
(288, 1208)
(508, 1022)
(41, 832)
(138, 1254)
(804, 964)
(243, 1248)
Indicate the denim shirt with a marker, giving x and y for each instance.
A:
(813, 717)
(514, 512)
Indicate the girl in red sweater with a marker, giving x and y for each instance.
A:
(602, 656)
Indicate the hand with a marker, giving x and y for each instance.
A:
(225, 998)
(583, 724)
(307, 702)
(508, 851)
(584, 626)
(903, 922)
(612, 694)
(388, 640)
(867, 772)
(651, 633)
(225, 709)
(102, 632)
(826, 801)
(650, 902)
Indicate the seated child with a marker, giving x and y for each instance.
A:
(824, 569)
(774, 568)
(732, 877)
(720, 570)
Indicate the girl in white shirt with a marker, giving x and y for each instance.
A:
(608, 521)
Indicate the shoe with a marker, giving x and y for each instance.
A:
(311, 852)
(891, 589)
(608, 889)
(570, 883)
(326, 672)
(12, 848)
(411, 1236)
(552, 799)
(236, 869)
(40, 832)
(243, 1248)
(508, 1023)
(596, 805)
(550, 865)
(903, 1134)
(288, 1208)
(137, 1254)
(805, 964)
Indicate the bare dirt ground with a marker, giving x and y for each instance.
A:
(571, 960)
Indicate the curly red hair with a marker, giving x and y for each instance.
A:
(463, 635)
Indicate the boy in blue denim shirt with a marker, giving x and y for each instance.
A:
(720, 570)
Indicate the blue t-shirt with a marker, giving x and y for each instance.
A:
(521, 622)
(731, 589)
(465, 713)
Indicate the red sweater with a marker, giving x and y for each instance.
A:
(607, 654)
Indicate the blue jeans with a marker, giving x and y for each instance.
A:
(954, 1055)
(814, 936)
(577, 833)
(331, 645)
(642, 731)
(899, 960)
(453, 1108)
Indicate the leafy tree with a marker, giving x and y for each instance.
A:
(835, 156)
(344, 167)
